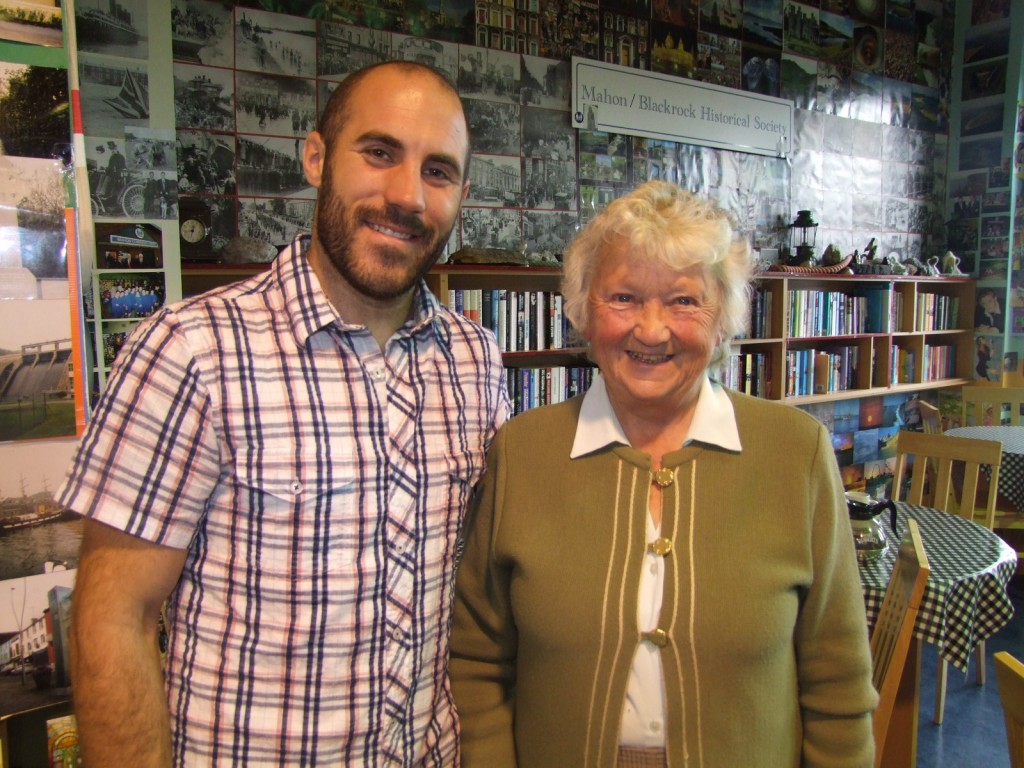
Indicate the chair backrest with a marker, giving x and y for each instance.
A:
(930, 418)
(894, 629)
(1010, 679)
(982, 406)
(945, 450)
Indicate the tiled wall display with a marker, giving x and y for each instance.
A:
(869, 81)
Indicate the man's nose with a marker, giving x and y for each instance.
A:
(405, 187)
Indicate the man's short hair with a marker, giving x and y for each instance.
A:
(332, 120)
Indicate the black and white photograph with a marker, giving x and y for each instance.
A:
(113, 96)
(345, 48)
(130, 296)
(33, 110)
(549, 184)
(115, 191)
(113, 27)
(224, 227)
(547, 133)
(275, 221)
(271, 167)
(150, 149)
(492, 228)
(443, 56)
(32, 23)
(204, 97)
(487, 74)
(493, 127)
(547, 233)
(203, 32)
(496, 181)
(546, 83)
(275, 106)
(206, 163)
(275, 43)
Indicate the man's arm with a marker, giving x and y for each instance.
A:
(116, 675)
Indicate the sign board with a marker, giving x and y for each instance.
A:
(616, 99)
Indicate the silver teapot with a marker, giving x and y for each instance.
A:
(869, 534)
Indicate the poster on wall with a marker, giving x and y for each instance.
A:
(33, 110)
(36, 385)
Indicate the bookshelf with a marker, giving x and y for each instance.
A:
(831, 337)
(813, 337)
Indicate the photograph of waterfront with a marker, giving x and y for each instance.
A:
(35, 532)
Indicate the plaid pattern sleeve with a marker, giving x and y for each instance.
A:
(318, 483)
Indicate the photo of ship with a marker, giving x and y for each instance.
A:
(109, 26)
(28, 510)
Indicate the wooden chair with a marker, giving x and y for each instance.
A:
(1010, 679)
(946, 450)
(981, 405)
(930, 419)
(894, 630)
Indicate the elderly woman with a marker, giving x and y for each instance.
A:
(660, 572)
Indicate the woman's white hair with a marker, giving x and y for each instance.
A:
(663, 222)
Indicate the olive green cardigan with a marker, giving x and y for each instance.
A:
(767, 660)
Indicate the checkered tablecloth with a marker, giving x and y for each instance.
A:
(965, 600)
(1011, 468)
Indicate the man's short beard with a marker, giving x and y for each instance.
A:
(335, 224)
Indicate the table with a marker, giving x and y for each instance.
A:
(965, 602)
(1011, 470)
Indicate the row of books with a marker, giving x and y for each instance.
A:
(834, 313)
(939, 363)
(936, 312)
(532, 387)
(761, 314)
(747, 372)
(816, 372)
(522, 321)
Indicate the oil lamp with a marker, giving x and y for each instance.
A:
(803, 232)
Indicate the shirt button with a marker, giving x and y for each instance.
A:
(656, 637)
(296, 487)
(654, 569)
(378, 374)
(655, 726)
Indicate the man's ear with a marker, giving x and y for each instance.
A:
(465, 191)
(314, 158)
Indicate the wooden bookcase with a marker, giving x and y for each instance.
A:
(893, 333)
(893, 337)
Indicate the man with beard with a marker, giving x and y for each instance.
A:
(286, 462)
